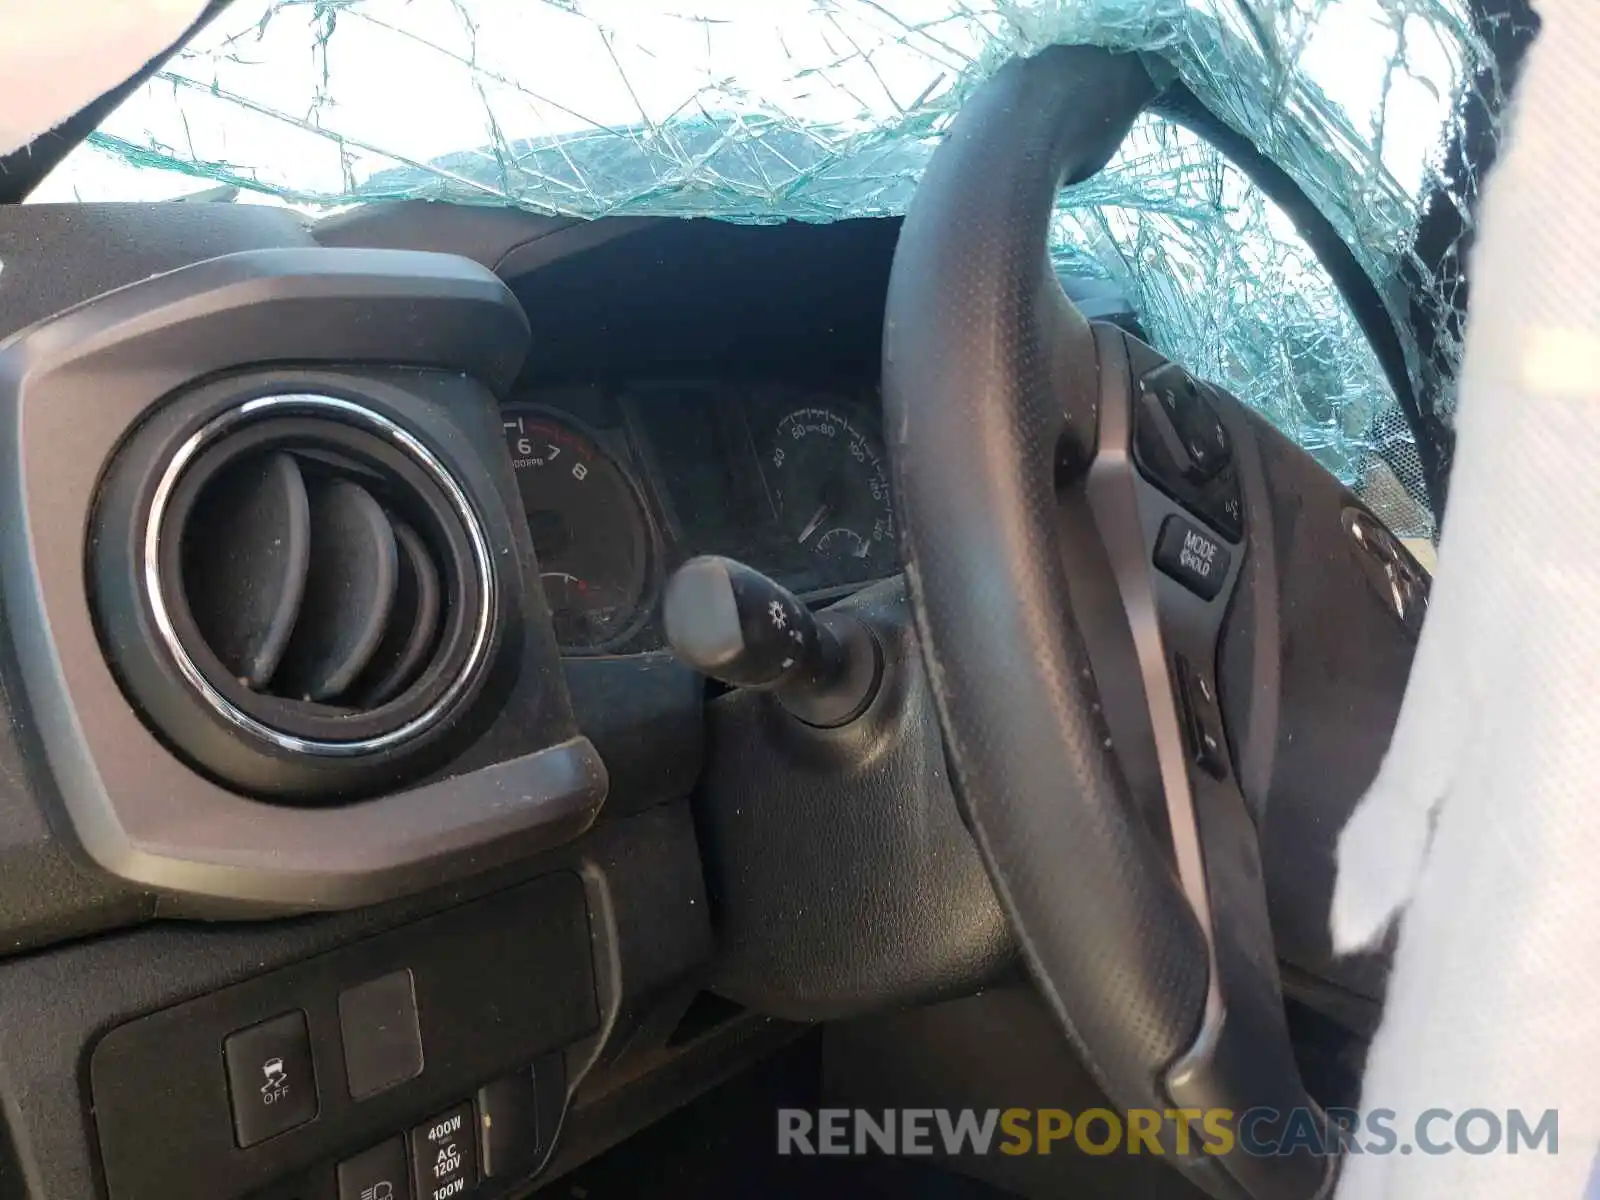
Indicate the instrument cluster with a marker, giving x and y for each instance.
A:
(620, 485)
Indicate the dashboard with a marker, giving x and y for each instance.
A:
(623, 483)
(559, 871)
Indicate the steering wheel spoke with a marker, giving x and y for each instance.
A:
(1073, 515)
(1174, 543)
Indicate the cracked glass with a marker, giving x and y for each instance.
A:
(819, 110)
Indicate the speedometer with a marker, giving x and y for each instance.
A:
(589, 530)
(830, 490)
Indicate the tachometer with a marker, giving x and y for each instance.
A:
(831, 492)
(589, 529)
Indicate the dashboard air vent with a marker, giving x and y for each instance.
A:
(317, 590)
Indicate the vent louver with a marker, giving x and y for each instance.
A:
(307, 586)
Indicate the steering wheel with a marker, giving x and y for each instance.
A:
(1074, 674)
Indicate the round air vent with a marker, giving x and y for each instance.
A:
(319, 585)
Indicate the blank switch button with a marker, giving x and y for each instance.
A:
(382, 1044)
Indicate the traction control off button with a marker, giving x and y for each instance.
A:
(1191, 556)
(444, 1154)
(270, 1079)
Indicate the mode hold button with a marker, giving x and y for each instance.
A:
(1191, 556)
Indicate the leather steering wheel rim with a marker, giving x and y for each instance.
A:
(993, 394)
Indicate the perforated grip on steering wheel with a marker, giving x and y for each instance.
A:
(985, 367)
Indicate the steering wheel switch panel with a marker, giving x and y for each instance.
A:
(1182, 445)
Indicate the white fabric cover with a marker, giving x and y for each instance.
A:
(58, 55)
(1486, 814)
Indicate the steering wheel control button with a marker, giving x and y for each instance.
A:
(1398, 579)
(270, 1081)
(1181, 445)
(444, 1154)
(1202, 432)
(1181, 417)
(1192, 556)
(378, 1174)
(1223, 506)
(382, 1044)
(1202, 720)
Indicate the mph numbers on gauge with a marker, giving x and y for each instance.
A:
(830, 491)
(589, 530)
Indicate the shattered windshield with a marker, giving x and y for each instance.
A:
(818, 110)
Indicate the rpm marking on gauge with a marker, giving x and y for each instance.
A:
(589, 530)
